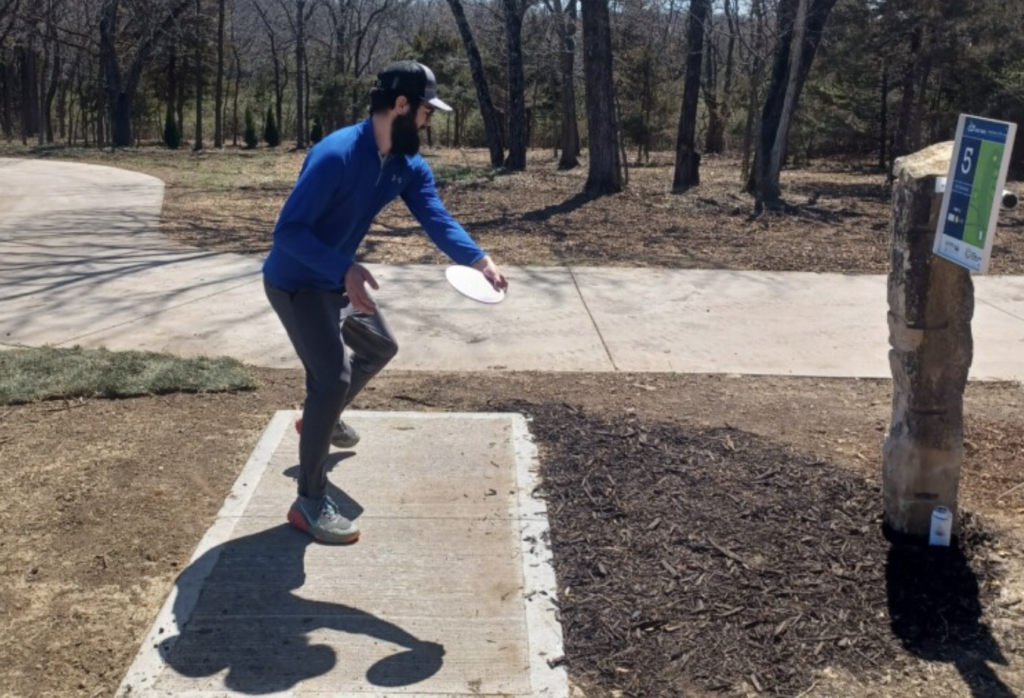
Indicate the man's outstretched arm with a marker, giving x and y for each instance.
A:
(450, 237)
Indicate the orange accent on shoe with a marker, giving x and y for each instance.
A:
(298, 520)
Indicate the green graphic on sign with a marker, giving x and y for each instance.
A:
(986, 182)
(970, 207)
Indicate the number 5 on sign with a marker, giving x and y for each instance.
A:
(968, 160)
(970, 206)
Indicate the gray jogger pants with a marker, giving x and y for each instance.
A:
(334, 375)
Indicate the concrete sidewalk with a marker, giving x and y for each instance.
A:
(82, 262)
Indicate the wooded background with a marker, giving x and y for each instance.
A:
(775, 82)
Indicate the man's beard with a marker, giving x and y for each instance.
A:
(405, 138)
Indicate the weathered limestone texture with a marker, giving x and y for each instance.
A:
(931, 302)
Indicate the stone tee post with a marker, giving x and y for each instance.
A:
(931, 302)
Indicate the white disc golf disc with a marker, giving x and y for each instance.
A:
(473, 284)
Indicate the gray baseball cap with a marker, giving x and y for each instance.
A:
(411, 79)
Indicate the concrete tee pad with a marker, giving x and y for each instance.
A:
(449, 592)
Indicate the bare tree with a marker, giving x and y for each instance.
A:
(303, 14)
(687, 172)
(198, 145)
(569, 140)
(801, 25)
(515, 10)
(358, 30)
(280, 73)
(299, 28)
(119, 86)
(719, 103)
(238, 47)
(775, 157)
(605, 174)
(218, 110)
(755, 62)
(914, 81)
(55, 58)
(492, 128)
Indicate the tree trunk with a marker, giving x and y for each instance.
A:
(51, 91)
(83, 111)
(100, 126)
(172, 80)
(714, 140)
(300, 75)
(278, 86)
(278, 91)
(62, 108)
(687, 172)
(234, 108)
(492, 127)
(905, 138)
(883, 135)
(517, 126)
(310, 114)
(198, 145)
(179, 105)
(69, 101)
(720, 104)
(605, 172)
(931, 303)
(569, 140)
(121, 120)
(29, 93)
(41, 90)
(777, 155)
(218, 113)
(764, 178)
(753, 93)
(6, 121)
(730, 63)
(121, 89)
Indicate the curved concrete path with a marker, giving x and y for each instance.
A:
(82, 262)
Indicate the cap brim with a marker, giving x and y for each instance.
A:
(438, 104)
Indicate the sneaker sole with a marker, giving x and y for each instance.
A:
(299, 521)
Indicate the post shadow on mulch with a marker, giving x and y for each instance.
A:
(935, 611)
(248, 620)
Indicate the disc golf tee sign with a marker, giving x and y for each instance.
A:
(970, 207)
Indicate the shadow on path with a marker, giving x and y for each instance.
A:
(249, 621)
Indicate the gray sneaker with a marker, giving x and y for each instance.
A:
(321, 519)
(344, 436)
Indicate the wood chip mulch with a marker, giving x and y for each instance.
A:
(713, 559)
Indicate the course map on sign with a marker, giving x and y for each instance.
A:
(971, 204)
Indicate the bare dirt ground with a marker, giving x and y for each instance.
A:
(713, 535)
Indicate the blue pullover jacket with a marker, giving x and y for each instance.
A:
(342, 187)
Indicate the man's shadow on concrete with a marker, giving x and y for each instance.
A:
(935, 611)
(348, 507)
(236, 610)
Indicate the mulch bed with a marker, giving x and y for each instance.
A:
(714, 559)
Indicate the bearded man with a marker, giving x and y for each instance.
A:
(319, 290)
